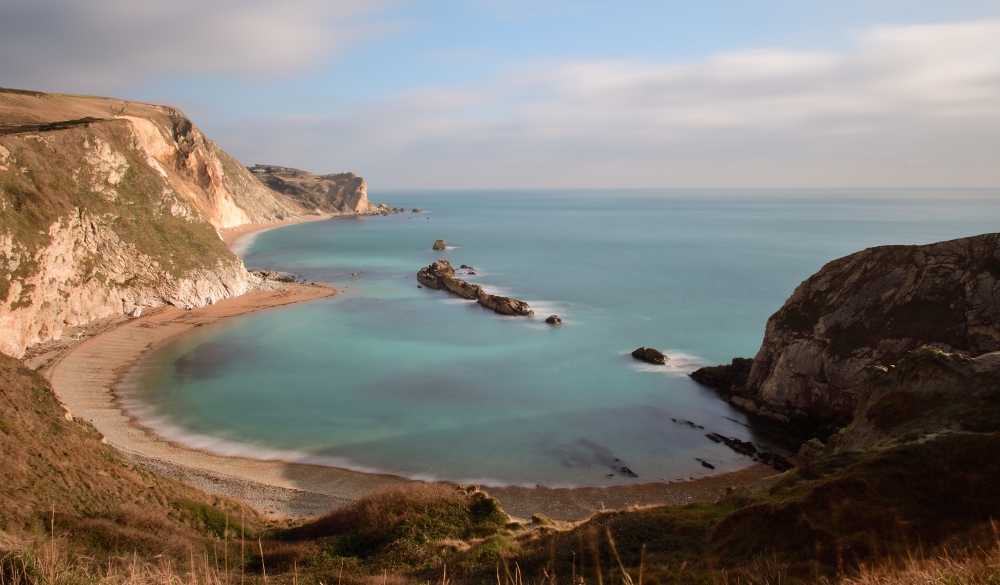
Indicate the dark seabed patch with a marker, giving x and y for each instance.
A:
(212, 359)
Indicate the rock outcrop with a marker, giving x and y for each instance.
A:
(727, 377)
(339, 193)
(927, 392)
(553, 320)
(108, 206)
(439, 245)
(650, 355)
(872, 308)
(441, 276)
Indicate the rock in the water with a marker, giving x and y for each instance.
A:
(553, 320)
(417, 210)
(725, 377)
(648, 354)
(741, 447)
(439, 245)
(441, 276)
(505, 305)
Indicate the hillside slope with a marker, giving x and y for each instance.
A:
(57, 472)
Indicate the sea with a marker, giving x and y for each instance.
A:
(391, 377)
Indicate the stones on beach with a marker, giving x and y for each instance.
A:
(441, 276)
(274, 275)
(653, 356)
(439, 245)
(553, 320)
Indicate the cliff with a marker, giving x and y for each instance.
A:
(871, 308)
(109, 206)
(342, 193)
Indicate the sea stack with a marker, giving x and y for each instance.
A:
(653, 356)
(439, 245)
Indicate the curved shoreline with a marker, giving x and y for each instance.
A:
(84, 376)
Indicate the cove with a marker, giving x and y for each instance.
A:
(394, 378)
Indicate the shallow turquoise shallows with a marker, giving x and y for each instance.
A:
(390, 377)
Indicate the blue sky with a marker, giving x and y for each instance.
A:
(511, 93)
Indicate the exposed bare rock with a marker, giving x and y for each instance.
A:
(439, 245)
(871, 308)
(553, 320)
(653, 356)
(276, 276)
(441, 276)
(505, 305)
(726, 377)
(340, 193)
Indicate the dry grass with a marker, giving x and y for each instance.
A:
(978, 566)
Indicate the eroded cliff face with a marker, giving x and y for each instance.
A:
(871, 308)
(109, 206)
(218, 186)
(340, 193)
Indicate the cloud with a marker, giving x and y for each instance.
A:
(111, 45)
(905, 105)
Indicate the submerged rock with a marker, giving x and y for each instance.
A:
(741, 447)
(439, 245)
(653, 356)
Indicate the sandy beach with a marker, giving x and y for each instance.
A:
(85, 372)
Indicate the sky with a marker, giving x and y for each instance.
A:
(455, 94)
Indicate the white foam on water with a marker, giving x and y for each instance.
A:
(679, 364)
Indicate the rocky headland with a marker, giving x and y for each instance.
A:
(868, 309)
(441, 276)
(337, 193)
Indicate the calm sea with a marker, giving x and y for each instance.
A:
(390, 377)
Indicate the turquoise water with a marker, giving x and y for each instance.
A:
(390, 377)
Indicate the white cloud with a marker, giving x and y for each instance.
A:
(108, 45)
(906, 105)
